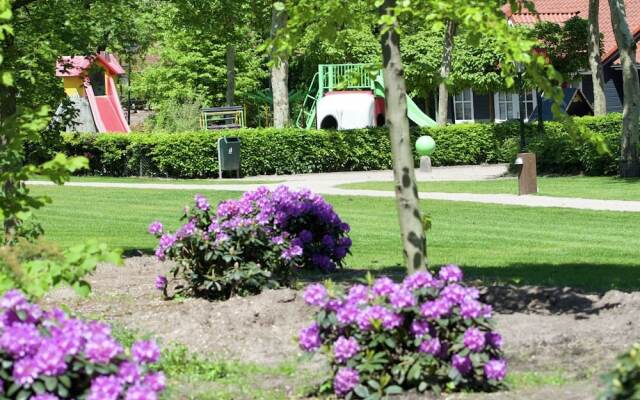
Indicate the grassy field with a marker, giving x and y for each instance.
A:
(608, 188)
(588, 249)
(135, 179)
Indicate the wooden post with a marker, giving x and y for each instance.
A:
(527, 177)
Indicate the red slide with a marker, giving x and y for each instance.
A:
(109, 115)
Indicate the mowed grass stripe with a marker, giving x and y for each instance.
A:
(589, 249)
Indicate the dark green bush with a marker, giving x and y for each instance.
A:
(286, 151)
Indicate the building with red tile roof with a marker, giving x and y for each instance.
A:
(474, 106)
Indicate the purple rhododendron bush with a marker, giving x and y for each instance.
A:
(256, 242)
(50, 355)
(427, 333)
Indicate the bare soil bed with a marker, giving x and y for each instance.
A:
(544, 329)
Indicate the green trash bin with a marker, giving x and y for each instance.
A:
(229, 155)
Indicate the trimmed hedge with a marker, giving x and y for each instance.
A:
(286, 151)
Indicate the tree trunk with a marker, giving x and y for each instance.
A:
(8, 109)
(231, 74)
(629, 157)
(445, 69)
(597, 75)
(279, 76)
(411, 226)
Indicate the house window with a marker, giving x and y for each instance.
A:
(463, 106)
(529, 103)
(507, 106)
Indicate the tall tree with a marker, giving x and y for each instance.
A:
(407, 201)
(279, 71)
(445, 69)
(630, 151)
(597, 74)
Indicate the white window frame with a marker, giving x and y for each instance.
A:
(460, 99)
(514, 98)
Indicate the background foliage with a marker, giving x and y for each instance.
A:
(273, 151)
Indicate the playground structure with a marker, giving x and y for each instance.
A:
(230, 117)
(348, 96)
(90, 84)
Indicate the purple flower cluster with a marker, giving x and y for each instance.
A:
(46, 344)
(432, 316)
(303, 223)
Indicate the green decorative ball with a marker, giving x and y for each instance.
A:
(425, 145)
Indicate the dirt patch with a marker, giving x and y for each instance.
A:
(544, 329)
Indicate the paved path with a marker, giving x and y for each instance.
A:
(326, 184)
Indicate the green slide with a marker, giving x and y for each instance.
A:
(413, 111)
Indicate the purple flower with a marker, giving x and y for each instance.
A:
(344, 227)
(309, 338)
(161, 282)
(291, 252)
(156, 381)
(45, 396)
(431, 346)
(50, 359)
(221, 237)
(435, 309)
(323, 262)
(461, 363)
(278, 239)
(347, 314)
(419, 280)
(105, 388)
(145, 351)
(12, 299)
(454, 293)
(402, 298)
(20, 339)
(345, 348)
(101, 348)
(384, 286)
(140, 392)
(474, 339)
(495, 369)
(345, 242)
(316, 295)
(129, 372)
(494, 339)
(155, 228)
(328, 242)
(358, 294)
(306, 236)
(470, 308)
(345, 380)
(420, 328)
(450, 273)
(186, 230)
(202, 202)
(25, 371)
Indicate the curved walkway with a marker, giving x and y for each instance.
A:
(326, 184)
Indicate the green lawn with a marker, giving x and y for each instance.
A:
(589, 249)
(134, 179)
(608, 188)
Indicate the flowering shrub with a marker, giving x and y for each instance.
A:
(50, 355)
(255, 242)
(624, 380)
(427, 333)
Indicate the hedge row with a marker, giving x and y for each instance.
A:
(285, 151)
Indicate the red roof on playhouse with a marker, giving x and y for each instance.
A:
(77, 65)
(559, 11)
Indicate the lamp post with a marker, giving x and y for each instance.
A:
(521, 99)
